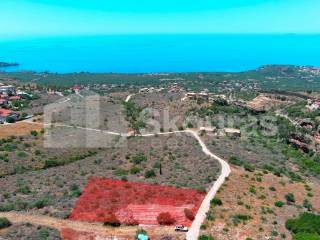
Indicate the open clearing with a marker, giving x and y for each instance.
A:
(18, 129)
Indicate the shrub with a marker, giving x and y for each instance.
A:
(290, 198)
(216, 202)
(249, 167)
(189, 214)
(272, 189)
(51, 163)
(4, 223)
(75, 191)
(19, 169)
(235, 161)
(21, 154)
(149, 174)
(205, 237)
(240, 218)
(252, 190)
(24, 190)
(120, 172)
(34, 133)
(112, 221)
(139, 158)
(43, 234)
(40, 203)
(307, 205)
(189, 125)
(165, 218)
(10, 120)
(134, 170)
(279, 204)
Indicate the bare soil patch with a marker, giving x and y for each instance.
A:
(18, 129)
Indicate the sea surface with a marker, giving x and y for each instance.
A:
(159, 53)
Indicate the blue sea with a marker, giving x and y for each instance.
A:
(159, 53)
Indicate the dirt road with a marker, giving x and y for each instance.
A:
(194, 230)
(98, 229)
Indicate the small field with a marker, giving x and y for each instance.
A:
(18, 129)
(265, 103)
(105, 200)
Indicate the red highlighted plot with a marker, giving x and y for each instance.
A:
(115, 201)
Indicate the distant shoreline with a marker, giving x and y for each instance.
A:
(6, 64)
(275, 66)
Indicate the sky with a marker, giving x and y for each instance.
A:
(19, 18)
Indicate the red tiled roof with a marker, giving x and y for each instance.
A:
(5, 112)
(76, 88)
(15, 98)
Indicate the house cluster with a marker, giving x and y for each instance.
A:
(229, 132)
(150, 90)
(313, 105)
(175, 88)
(198, 96)
(8, 94)
(312, 70)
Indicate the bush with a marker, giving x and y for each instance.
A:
(205, 237)
(75, 191)
(21, 154)
(4, 223)
(165, 219)
(235, 161)
(307, 204)
(149, 174)
(189, 214)
(34, 133)
(272, 189)
(51, 163)
(112, 221)
(40, 203)
(139, 158)
(279, 204)
(249, 167)
(240, 218)
(216, 202)
(135, 170)
(290, 198)
(43, 234)
(10, 120)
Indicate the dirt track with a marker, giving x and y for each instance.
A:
(98, 229)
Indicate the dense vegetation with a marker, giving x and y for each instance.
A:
(306, 227)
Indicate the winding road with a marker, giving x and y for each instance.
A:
(200, 217)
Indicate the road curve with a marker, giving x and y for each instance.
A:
(194, 230)
(128, 98)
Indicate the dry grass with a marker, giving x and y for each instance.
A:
(267, 219)
(18, 129)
